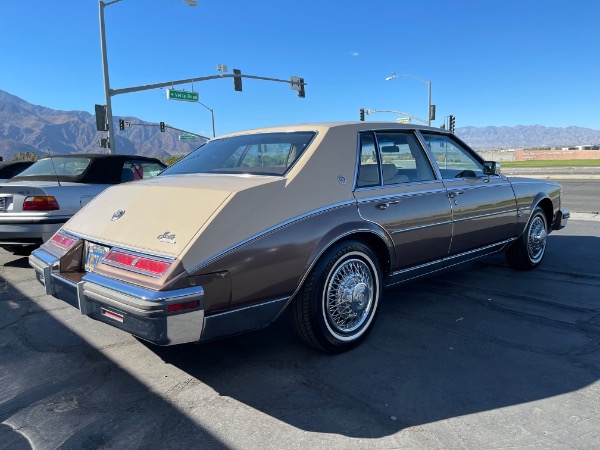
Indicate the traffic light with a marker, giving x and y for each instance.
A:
(301, 92)
(162, 127)
(121, 124)
(431, 112)
(101, 124)
(362, 114)
(451, 122)
(237, 81)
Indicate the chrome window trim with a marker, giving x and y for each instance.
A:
(426, 151)
(270, 230)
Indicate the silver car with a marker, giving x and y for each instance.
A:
(37, 202)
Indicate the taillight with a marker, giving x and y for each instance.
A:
(181, 306)
(40, 203)
(63, 240)
(145, 264)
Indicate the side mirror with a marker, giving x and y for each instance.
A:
(491, 168)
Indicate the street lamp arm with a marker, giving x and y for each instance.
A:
(370, 111)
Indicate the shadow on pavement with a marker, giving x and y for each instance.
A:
(467, 341)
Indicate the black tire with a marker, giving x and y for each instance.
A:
(528, 250)
(348, 272)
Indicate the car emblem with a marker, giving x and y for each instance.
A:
(341, 179)
(166, 237)
(117, 215)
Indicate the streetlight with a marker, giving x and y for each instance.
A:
(428, 83)
(212, 113)
(107, 94)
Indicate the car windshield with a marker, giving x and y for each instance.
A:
(257, 154)
(57, 166)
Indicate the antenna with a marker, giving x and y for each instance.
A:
(52, 161)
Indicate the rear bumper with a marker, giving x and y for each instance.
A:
(141, 312)
(27, 230)
(561, 219)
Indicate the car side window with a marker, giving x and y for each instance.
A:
(403, 159)
(137, 170)
(368, 167)
(453, 160)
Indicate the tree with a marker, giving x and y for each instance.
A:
(25, 156)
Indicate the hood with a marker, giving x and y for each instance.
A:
(160, 215)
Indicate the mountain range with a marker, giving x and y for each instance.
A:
(25, 127)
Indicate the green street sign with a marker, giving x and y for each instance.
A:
(186, 96)
(403, 120)
(185, 137)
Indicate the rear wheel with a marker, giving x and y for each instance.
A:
(528, 251)
(338, 303)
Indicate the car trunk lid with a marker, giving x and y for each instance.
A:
(160, 215)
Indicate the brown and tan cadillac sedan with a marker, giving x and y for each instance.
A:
(318, 218)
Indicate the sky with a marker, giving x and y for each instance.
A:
(490, 63)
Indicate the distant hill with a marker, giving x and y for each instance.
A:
(25, 127)
(484, 138)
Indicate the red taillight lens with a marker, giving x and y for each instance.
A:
(186, 305)
(138, 263)
(40, 203)
(63, 240)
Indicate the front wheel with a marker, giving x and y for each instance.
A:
(527, 251)
(337, 305)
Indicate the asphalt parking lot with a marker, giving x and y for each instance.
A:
(482, 357)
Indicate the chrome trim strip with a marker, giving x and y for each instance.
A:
(272, 230)
(398, 195)
(122, 247)
(450, 258)
(486, 247)
(144, 295)
(247, 308)
(420, 227)
(486, 215)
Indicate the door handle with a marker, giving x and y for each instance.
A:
(386, 204)
(454, 194)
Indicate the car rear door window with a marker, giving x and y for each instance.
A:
(403, 159)
(368, 167)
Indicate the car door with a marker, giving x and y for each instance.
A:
(397, 189)
(484, 208)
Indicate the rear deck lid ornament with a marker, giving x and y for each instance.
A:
(117, 215)
(167, 238)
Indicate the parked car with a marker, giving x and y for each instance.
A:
(39, 200)
(318, 218)
(10, 169)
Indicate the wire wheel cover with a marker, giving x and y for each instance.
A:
(349, 296)
(536, 241)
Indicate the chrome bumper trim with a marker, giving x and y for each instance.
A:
(143, 311)
(561, 219)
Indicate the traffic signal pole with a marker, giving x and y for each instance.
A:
(112, 142)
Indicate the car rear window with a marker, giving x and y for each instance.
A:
(57, 166)
(256, 154)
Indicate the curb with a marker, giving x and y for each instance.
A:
(591, 217)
